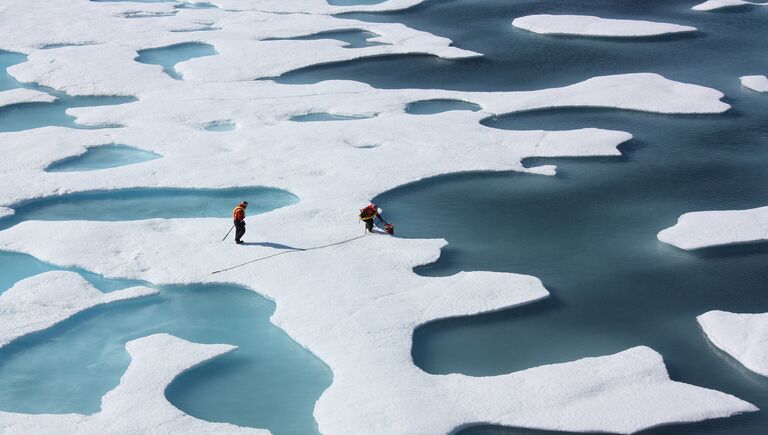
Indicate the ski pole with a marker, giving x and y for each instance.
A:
(230, 230)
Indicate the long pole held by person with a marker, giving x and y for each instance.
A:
(230, 230)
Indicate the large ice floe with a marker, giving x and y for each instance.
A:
(585, 25)
(742, 336)
(356, 301)
(705, 229)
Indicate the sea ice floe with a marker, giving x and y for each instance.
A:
(21, 96)
(269, 146)
(712, 5)
(355, 304)
(41, 301)
(246, 52)
(585, 25)
(713, 228)
(370, 304)
(742, 336)
(138, 404)
(756, 83)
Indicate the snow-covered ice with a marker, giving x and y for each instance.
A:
(21, 96)
(585, 25)
(355, 312)
(138, 404)
(712, 5)
(704, 229)
(743, 336)
(756, 83)
(41, 301)
(167, 121)
(364, 332)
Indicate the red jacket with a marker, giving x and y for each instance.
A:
(369, 212)
(239, 213)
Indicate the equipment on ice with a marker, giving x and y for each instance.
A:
(369, 213)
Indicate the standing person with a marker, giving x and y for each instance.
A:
(238, 215)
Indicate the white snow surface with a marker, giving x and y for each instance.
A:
(360, 322)
(712, 5)
(41, 301)
(138, 403)
(705, 229)
(354, 305)
(742, 336)
(756, 83)
(21, 95)
(586, 25)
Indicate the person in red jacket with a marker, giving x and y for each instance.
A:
(369, 213)
(238, 214)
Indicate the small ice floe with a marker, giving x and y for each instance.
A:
(756, 83)
(585, 25)
(39, 302)
(713, 5)
(742, 336)
(705, 229)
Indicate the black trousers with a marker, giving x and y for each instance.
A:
(239, 230)
(369, 225)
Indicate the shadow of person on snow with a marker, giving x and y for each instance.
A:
(273, 245)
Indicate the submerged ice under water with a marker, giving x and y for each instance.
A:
(103, 157)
